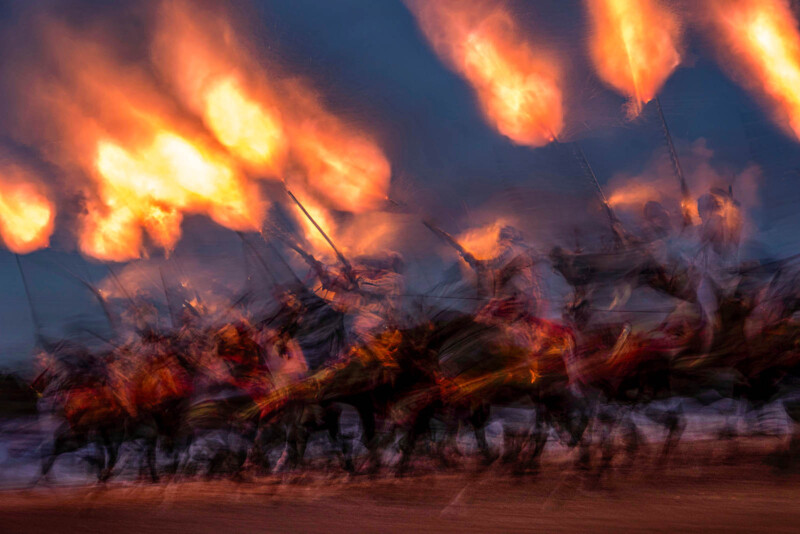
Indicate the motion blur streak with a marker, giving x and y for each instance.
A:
(518, 86)
(634, 46)
(759, 41)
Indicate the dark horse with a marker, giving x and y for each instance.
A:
(484, 364)
(82, 396)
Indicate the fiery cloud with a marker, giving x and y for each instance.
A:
(137, 161)
(759, 41)
(635, 46)
(269, 121)
(26, 213)
(343, 167)
(242, 125)
(123, 127)
(518, 85)
(198, 53)
(152, 186)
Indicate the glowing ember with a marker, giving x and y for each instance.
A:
(26, 217)
(518, 86)
(760, 40)
(634, 46)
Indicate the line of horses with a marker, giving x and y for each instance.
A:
(209, 401)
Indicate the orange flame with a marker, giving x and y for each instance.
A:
(760, 40)
(210, 77)
(142, 163)
(634, 47)
(147, 164)
(152, 186)
(26, 217)
(483, 242)
(518, 87)
(325, 221)
(344, 168)
(241, 124)
(282, 120)
(636, 194)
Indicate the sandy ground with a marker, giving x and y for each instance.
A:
(702, 489)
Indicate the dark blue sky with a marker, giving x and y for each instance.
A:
(374, 67)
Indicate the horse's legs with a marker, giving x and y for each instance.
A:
(674, 423)
(64, 441)
(573, 416)
(607, 418)
(110, 448)
(332, 422)
(150, 445)
(539, 437)
(478, 418)
(631, 436)
(259, 454)
(366, 414)
(408, 443)
(148, 432)
(297, 439)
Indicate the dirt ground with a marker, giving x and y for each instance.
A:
(702, 489)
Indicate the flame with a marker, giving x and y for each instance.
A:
(518, 87)
(152, 186)
(637, 194)
(634, 47)
(111, 234)
(483, 242)
(211, 76)
(760, 40)
(142, 162)
(634, 194)
(323, 218)
(26, 217)
(345, 168)
(281, 122)
(374, 233)
(250, 131)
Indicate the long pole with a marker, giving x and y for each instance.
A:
(347, 266)
(258, 257)
(614, 222)
(676, 166)
(97, 295)
(172, 319)
(37, 325)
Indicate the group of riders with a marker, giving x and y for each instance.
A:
(345, 340)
